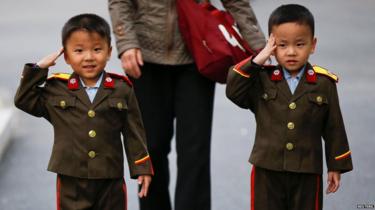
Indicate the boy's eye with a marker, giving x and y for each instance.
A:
(300, 44)
(78, 50)
(98, 49)
(281, 45)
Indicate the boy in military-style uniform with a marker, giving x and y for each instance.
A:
(295, 104)
(89, 110)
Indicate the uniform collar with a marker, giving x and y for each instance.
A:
(97, 85)
(288, 76)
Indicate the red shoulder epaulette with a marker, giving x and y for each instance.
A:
(59, 76)
(123, 77)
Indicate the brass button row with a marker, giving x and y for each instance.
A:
(91, 114)
(92, 133)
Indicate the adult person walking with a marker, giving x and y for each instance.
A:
(170, 89)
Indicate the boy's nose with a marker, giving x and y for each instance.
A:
(88, 56)
(291, 51)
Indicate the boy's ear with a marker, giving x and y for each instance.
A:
(66, 58)
(313, 45)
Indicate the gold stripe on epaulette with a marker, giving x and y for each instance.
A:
(62, 76)
(323, 71)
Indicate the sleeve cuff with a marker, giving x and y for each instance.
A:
(142, 160)
(246, 67)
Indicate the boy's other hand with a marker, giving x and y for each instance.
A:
(131, 59)
(50, 60)
(333, 181)
(145, 181)
(266, 52)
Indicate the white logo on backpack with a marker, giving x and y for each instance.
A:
(231, 39)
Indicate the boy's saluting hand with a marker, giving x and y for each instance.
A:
(50, 60)
(266, 52)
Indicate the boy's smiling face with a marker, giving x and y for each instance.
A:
(295, 43)
(87, 53)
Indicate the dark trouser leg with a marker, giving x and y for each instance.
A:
(90, 194)
(73, 193)
(193, 104)
(273, 190)
(268, 191)
(111, 195)
(154, 91)
(305, 191)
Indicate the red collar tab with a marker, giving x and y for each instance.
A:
(119, 76)
(73, 83)
(109, 82)
(276, 75)
(310, 76)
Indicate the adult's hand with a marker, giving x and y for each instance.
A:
(131, 61)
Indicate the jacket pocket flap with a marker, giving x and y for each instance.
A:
(269, 94)
(118, 103)
(318, 98)
(63, 101)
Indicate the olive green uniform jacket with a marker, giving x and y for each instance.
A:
(87, 136)
(290, 126)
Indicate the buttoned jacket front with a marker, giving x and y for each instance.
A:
(87, 136)
(290, 126)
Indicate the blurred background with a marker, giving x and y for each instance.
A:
(345, 30)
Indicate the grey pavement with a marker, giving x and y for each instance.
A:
(346, 45)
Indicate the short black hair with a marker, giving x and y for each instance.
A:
(87, 22)
(291, 13)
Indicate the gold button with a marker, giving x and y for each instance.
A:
(92, 133)
(289, 146)
(91, 113)
(291, 126)
(292, 106)
(62, 104)
(265, 96)
(119, 105)
(92, 154)
(319, 99)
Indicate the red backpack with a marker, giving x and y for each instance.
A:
(212, 38)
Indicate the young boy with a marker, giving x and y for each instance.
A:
(295, 105)
(89, 110)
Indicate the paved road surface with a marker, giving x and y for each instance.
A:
(346, 45)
